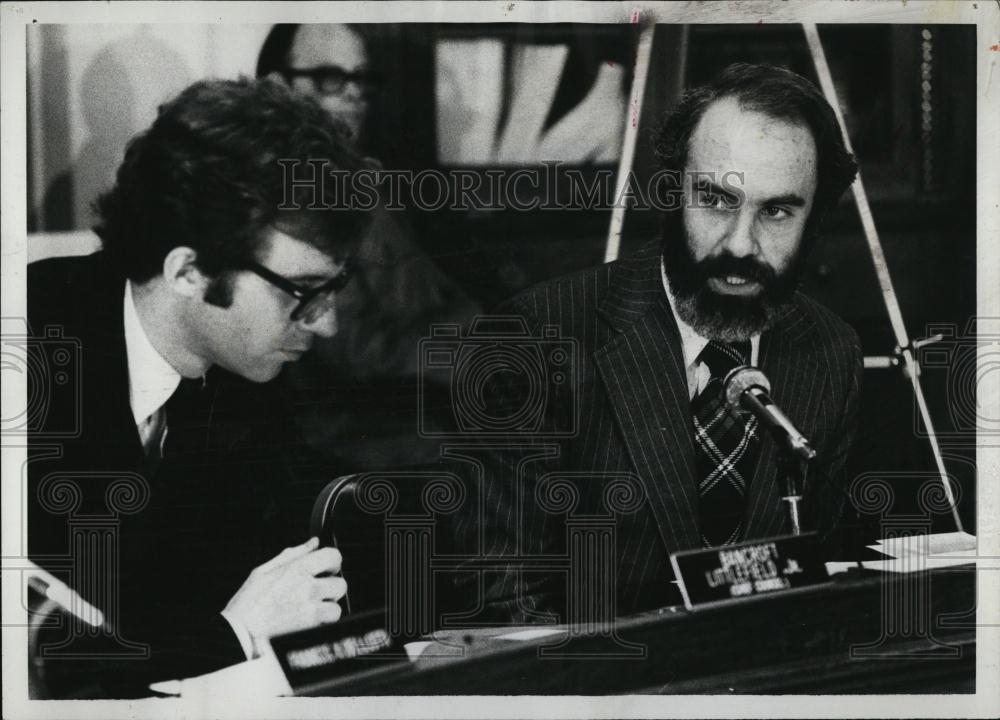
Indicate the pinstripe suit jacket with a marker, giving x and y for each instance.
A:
(627, 470)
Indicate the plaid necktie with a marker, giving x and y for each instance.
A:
(726, 448)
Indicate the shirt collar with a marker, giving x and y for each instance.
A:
(691, 342)
(151, 379)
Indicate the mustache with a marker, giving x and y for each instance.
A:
(728, 264)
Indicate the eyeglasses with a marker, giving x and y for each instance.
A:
(314, 302)
(331, 79)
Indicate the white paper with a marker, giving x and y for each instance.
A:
(933, 544)
(258, 678)
(901, 565)
(532, 634)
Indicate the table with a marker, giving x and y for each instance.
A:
(863, 633)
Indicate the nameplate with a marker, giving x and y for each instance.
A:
(314, 657)
(737, 572)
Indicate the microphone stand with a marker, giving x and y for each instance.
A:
(795, 451)
(794, 468)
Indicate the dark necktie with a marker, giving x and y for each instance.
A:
(171, 435)
(726, 448)
(186, 420)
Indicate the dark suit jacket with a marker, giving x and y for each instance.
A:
(630, 458)
(178, 542)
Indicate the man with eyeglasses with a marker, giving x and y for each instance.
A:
(203, 291)
(326, 61)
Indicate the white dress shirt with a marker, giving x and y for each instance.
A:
(151, 379)
(692, 344)
(151, 382)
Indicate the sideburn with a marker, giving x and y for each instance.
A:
(220, 291)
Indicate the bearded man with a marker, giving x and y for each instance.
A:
(649, 454)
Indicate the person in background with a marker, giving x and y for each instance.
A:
(366, 377)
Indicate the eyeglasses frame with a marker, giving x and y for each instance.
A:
(366, 81)
(305, 295)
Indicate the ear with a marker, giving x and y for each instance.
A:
(182, 275)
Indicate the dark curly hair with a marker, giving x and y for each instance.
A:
(206, 175)
(776, 92)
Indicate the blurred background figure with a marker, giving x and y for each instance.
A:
(328, 62)
(359, 389)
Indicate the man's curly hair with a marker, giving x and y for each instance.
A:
(206, 176)
(776, 92)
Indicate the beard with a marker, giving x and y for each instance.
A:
(718, 316)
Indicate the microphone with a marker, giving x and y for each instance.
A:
(747, 389)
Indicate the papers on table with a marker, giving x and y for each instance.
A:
(246, 681)
(531, 634)
(913, 553)
(417, 648)
(899, 565)
(938, 544)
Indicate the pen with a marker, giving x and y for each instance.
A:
(51, 587)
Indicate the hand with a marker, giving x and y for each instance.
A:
(286, 593)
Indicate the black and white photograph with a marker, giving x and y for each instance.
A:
(500, 359)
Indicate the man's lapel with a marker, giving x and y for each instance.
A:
(107, 371)
(788, 360)
(642, 367)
